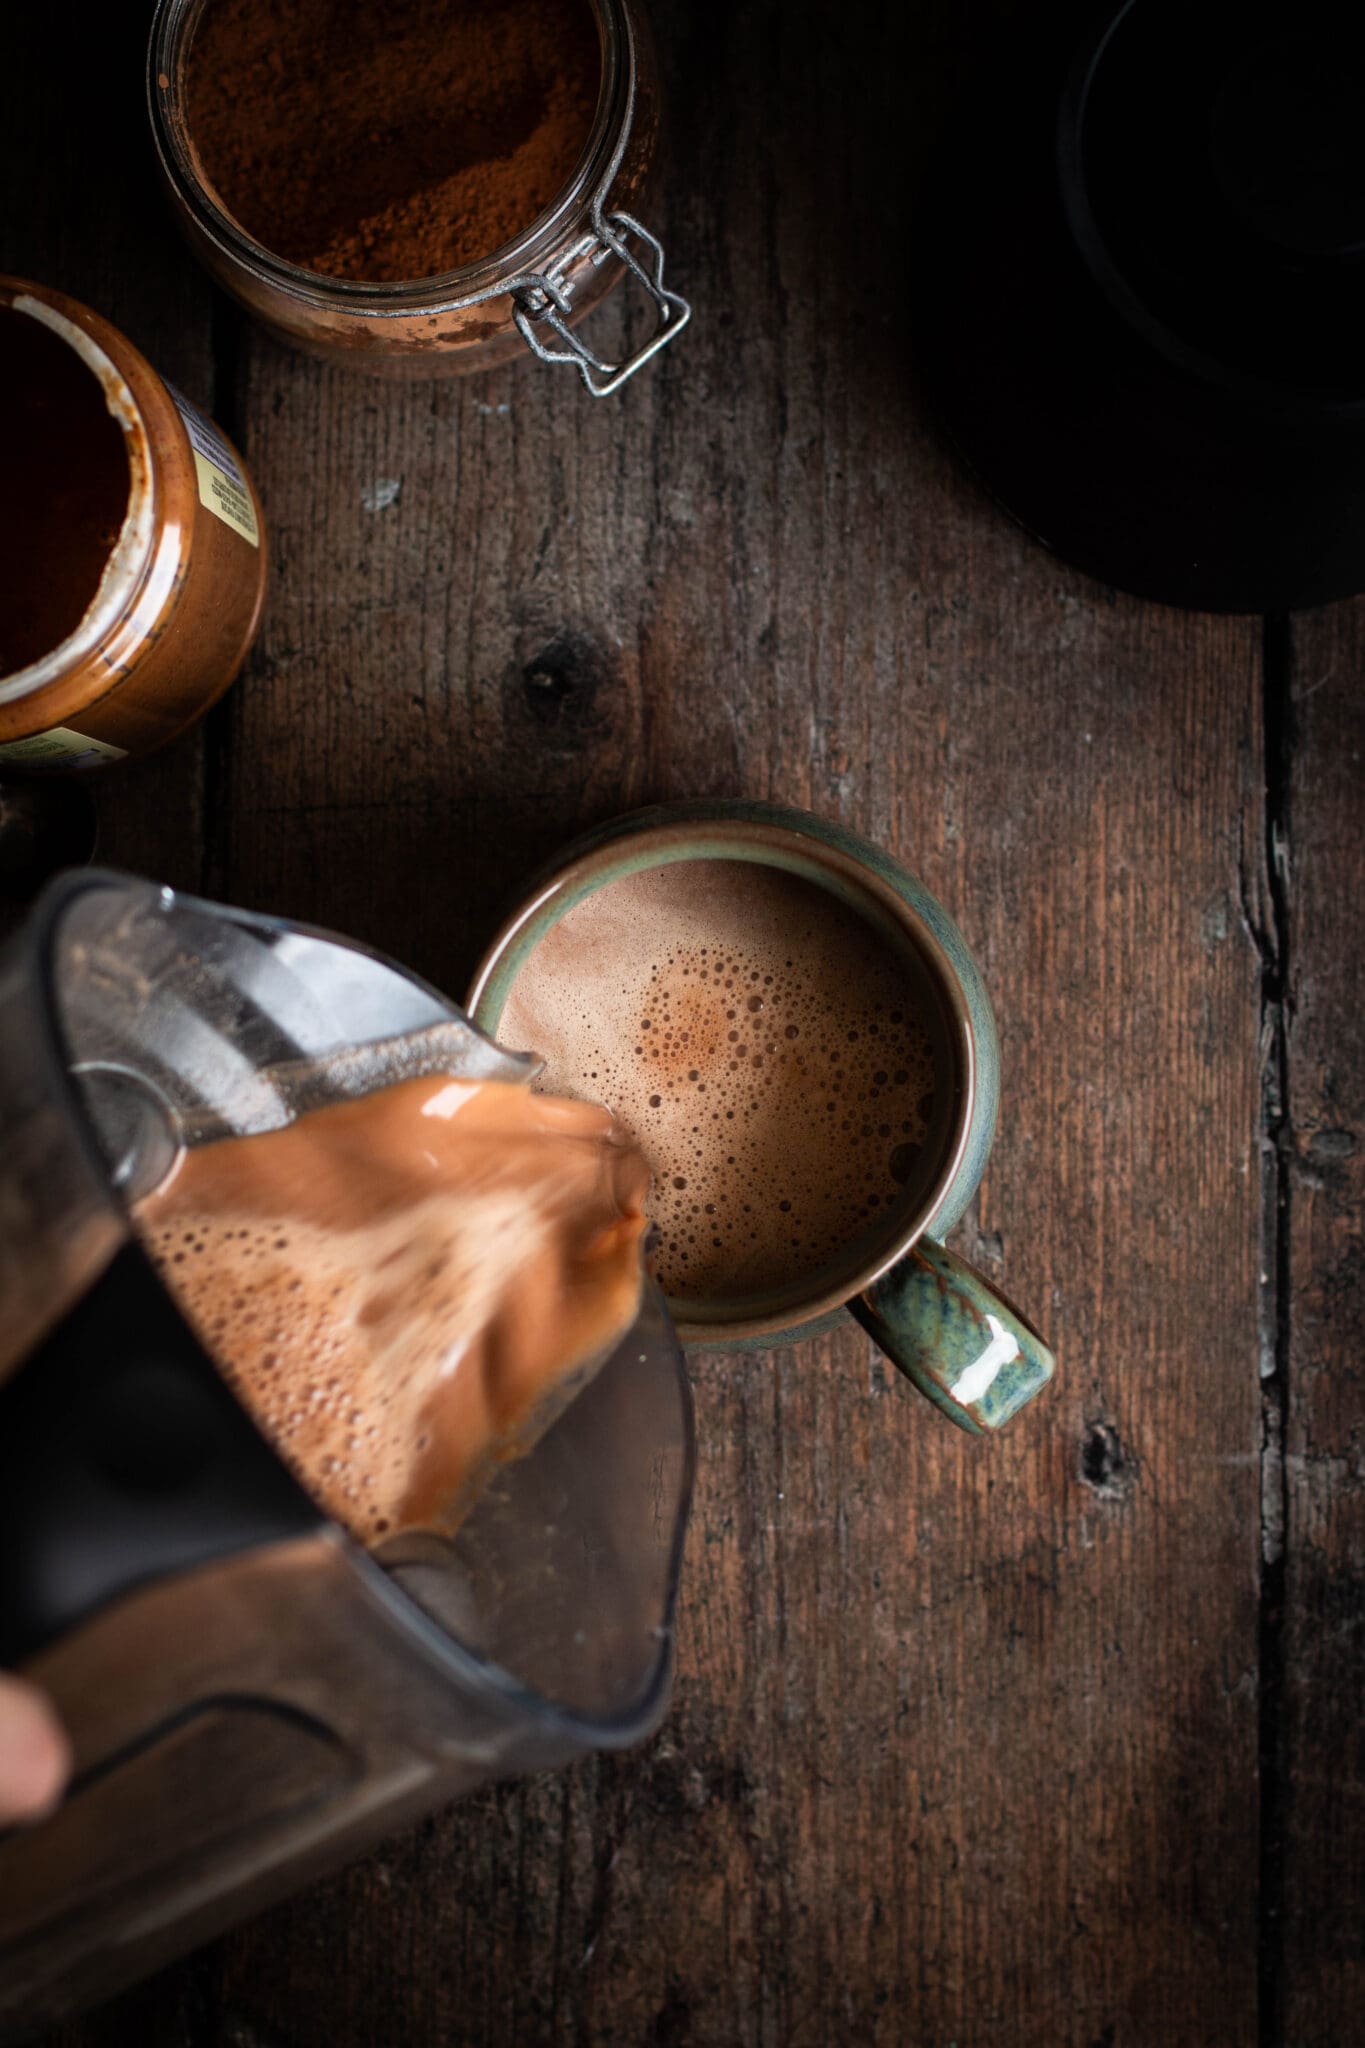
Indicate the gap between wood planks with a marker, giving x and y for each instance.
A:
(1273, 935)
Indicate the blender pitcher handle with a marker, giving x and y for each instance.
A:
(125, 1458)
(963, 1345)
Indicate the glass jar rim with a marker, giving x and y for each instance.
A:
(516, 263)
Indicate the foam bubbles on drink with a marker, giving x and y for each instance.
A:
(338, 1341)
(769, 1051)
(405, 1287)
(742, 1042)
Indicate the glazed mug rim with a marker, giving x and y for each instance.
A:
(593, 860)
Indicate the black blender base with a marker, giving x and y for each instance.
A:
(1146, 337)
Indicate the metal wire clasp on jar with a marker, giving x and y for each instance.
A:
(531, 292)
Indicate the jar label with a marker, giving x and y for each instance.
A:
(59, 747)
(222, 486)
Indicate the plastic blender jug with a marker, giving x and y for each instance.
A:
(253, 1697)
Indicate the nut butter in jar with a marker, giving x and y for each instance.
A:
(416, 187)
(132, 555)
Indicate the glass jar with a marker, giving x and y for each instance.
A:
(136, 565)
(531, 293)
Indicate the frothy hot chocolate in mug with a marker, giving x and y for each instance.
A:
(763, 1043)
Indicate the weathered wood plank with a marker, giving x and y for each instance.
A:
(1321, 1757)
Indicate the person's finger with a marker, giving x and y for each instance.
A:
(35, 1756)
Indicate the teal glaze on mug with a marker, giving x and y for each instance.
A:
(939, 1321)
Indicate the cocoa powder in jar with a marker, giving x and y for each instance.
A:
(394, 140)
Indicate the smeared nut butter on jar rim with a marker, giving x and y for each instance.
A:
(133, 565)
(72, 515)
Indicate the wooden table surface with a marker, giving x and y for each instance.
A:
(1054, 1742)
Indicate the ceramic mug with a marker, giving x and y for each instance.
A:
(934, 1315)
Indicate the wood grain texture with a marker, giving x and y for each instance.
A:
(1321, 941)
(965, 1742)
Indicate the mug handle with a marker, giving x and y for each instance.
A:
(941, 1323)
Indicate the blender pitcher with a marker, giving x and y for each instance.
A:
(252, 1696)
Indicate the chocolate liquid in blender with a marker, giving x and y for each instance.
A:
(406, 1287)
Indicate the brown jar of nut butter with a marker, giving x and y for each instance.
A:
(132, 554)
